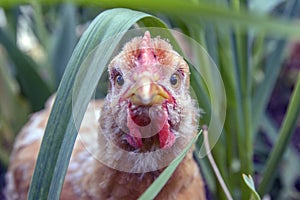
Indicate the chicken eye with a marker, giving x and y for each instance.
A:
(174, 80)
(119, 80)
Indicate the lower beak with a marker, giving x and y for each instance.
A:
(146, 92)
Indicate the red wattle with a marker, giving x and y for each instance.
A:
(166, 137)
(142, 124)
(135, 137)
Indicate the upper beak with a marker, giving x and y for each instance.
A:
(146, 92)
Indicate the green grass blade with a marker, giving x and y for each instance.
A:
(263, 92)
(193, 11)
(13, 107)
(286, 131)
(250, 183)
(40, 26)
(159, 183)
(13, 111)
(291, 160)
(12, 15)
(61, 131)
(64, 39)
(202, 10)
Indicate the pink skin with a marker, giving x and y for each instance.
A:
(146, 56)
(146, 60)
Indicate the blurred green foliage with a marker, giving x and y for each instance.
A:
(246, 39)
(29, 76)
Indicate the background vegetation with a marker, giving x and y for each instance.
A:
(250, 41)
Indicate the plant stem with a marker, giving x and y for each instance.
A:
(214, 165)
(287, 128)
(247, 102)
(240, 97)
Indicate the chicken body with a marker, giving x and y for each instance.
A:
(146, 120)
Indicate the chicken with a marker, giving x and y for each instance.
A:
(146, 120)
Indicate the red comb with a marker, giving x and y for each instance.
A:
(146, 55)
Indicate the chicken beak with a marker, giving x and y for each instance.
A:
(146, 92)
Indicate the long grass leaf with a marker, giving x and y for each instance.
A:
(194, 11)
(64, 39)
(13, 107)
(291, 159)
(286, 131)
(216, 13)
(40, 26)
(13, 111)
